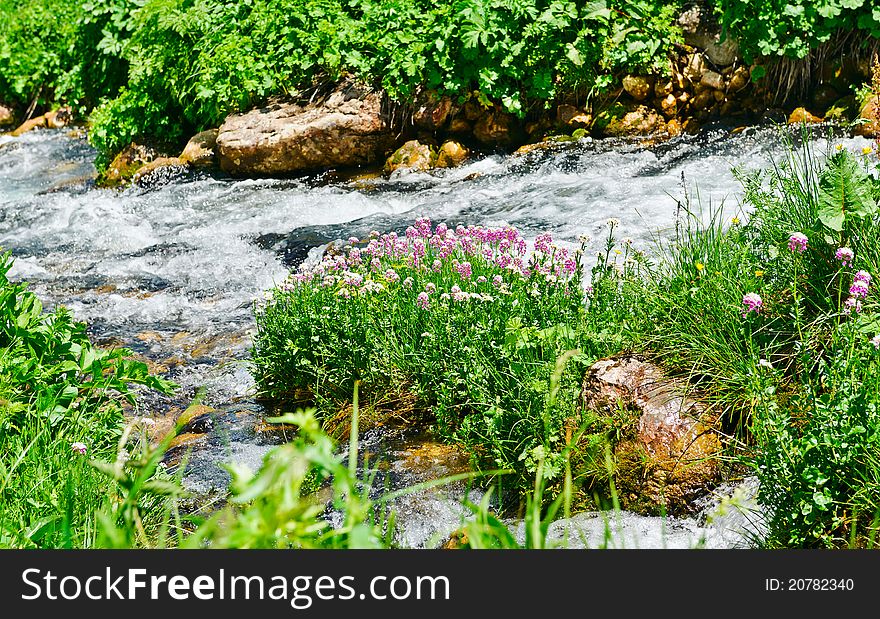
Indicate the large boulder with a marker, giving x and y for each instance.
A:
(495, 127)
(349, 127)
(124, 166)
(668, 454)
(701, 29)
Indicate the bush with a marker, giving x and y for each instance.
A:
(793, 28)
(465, 325)
(61, 403)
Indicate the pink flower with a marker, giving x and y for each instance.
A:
(79, 448)
(430, 288)
(797, 242)
(845, 255)
(481, 280)
(436, 266)
(863, 276)
(852, 304)
(752, 302)
(859, 289)
(391, 275)
(497, 281)
(876, 341)
(408, 283)
(542, 243)
(464, 270)
(375, 264)
(422, 300)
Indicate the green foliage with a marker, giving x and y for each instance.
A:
(793, 28)
(58, 394)
(55, 52)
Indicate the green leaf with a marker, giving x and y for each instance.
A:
(844, 192)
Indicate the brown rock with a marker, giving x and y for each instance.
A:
(431, 111)
(670, 456)
(712, 80)
(451, 154)
(719, 95)
(661, 89)
(200, 150)
(801, 115)
(565, 113)
(739, 79)
(638, 86)
(669, 106)
(347, 128)
(414, 156)
(30, 125)
(693, 71)
(7, 117)
(870, 116)
(640, 121)
(703, 100)
(460, 126)
(673, 128)
(495, 128)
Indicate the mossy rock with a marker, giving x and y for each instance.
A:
(413, 156)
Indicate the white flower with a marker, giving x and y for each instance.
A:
(765, 364)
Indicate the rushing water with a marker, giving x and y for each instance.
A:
(172, 270)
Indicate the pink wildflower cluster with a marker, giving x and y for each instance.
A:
(388, 261)
(845, 255)
(752, 302)
(857, 291)
(797, 243)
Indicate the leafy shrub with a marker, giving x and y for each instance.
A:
(793, 28)
(60, 400)
(63, 52)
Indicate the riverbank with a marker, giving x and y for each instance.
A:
(440, 82)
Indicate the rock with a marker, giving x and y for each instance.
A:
(495, 128)
(693, 71)
(451, 154)
(739, 79)
(125, 164)
(669, 106)
(160, 163)
(59, 118)
(460, 126)
(669, 453)
(702, 101)
(801, 115)
(673, 128)
(30, 125)
(431, 111)
(638, 86)
(712, 80)
(661, 89)
(870, 116)
(565, 112)
(347, 128)
(7, 117)
(701, 29)
(200, 151)
(414, 156)
(618, 121)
